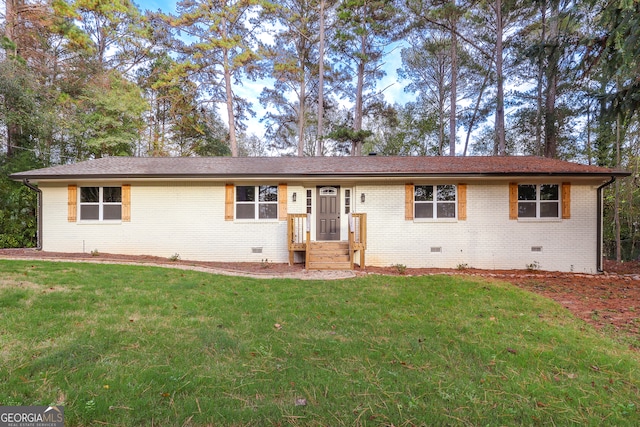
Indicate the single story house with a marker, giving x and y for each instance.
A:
(330, 212)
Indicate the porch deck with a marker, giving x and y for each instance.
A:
(327, 255)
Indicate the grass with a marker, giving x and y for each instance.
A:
(142, 346)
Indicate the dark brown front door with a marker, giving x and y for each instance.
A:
(328, 213)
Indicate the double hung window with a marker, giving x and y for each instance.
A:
(257, 202)
(538, 201)
(100, 203)
(435, 201)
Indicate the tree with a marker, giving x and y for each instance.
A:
(450, 14)
(292, 59)
(111, 116)
(217, 50)
(17, 203)
(613, 53)
(493, 24)
(551, 40)
(115, 37)
(365, 29)
(427, 64)
(321, 50)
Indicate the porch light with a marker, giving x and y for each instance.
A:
(362, 197)
(294, 197)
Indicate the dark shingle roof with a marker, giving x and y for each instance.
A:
(373, 166)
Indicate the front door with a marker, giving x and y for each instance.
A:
(328, 213)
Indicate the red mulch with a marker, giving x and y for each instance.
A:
(608, 300)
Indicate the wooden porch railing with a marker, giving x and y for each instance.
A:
(298, 234)
(357, 236)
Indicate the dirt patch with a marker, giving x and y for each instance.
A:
(608, 300)
(17, 283)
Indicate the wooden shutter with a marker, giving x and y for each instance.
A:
(408, 201)
(72, 193)
(513, 200)
(462, 202)
(228, 202)
(282, 202)
(566, 200)
(126, 202)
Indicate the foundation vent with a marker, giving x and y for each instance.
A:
(536, 248)
(256, 250)
(436, 249)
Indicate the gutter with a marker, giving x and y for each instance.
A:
(599, 263)
(38, 213)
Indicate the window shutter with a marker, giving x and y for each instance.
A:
(462, 202)
(408, 202)
(566, 200)
(228, 202)
(126, 202)
(72, 191)
(282, 202)
(513, 200)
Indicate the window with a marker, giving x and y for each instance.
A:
(435, 201)
(309, 201)
(257, 202)
(100, 203)
(347, 201)
(538, 201)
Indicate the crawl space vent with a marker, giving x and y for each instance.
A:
(536, 248)
(256, 250)
(436, 249)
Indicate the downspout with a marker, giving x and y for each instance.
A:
(599, 225)
(38, 213)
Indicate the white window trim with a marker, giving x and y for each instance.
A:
(100, 205)
(256, 203)
(435, 204)
(539, 218)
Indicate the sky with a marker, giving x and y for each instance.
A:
(394, 92)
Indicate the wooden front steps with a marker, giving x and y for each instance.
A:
(328, 256)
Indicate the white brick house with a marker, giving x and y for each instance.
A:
(442, 212)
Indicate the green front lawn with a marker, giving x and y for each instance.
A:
(128, 346)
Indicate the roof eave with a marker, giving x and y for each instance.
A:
(68, 177)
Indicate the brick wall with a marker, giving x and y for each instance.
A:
(187, 218)
(488, 239)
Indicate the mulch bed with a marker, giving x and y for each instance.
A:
(608, 300)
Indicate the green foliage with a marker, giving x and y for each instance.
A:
(614, 53)
(18, 204)
(111, 116)
(347, 134)
(126, 344)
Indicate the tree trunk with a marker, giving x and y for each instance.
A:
(357, 120)
(454, 88)
(301, 114)
(230, 113)
(475, 113)
(229, 93)
(441, 120)
(616, 212)
(550, 126)
(589, 149)
(320, 133)
(11, 22)
(499, 124)
(543, 37)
